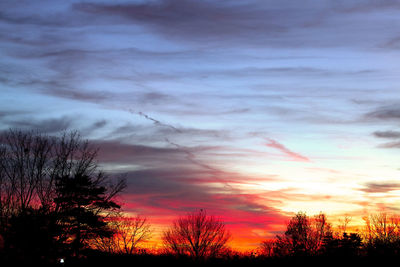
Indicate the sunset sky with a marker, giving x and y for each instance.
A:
(252, 110)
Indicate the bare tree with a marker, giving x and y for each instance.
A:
(24, 161)
(33, 164)
(344, 223)
(30, 164)
(382, 227)
(303, 236)
(320, 229)
(129, 234)
(197, 235)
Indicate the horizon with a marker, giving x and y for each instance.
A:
(252, 110)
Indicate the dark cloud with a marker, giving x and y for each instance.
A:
(44, 14)
(286, 71)
(383, 187)
(365, 5)
(191, 157)
(202, 18)
(117, 152)
(387, 134)
(283, 23)
(169, 182)
(99, 124)
(217, 20)
(80, 95)
(391, 112)
(386, 114)
(147, 156)
(266, 23)
(141, 132)
(8, 113)
(44, 126)
(176, 190)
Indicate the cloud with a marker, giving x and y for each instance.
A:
(186, 159)
(365, 6)
(286, 71)
(118, 152)
(173, 191)
(391, 145)
(93, 97)
(271, 23)
(295, 156)
(383, 187)
(204, 18)
(391, 112)
(387, 134)
(172, 180)
(53, 125)
(192, 20)
(99, 124)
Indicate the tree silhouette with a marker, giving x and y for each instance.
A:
(267, 247)
(31, 163)
(344, 246)
(128, 235)
(32, 237)
(382, 234)
(303, 236)
(83, 203)
(197, 235)
(52, 182)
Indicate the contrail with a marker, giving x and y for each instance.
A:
(157, 122)
(192, 158)
(189, 155)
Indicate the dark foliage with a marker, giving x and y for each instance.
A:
(32, 237)
(80, 202)
(53, 198)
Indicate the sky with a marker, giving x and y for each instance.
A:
(252, 110)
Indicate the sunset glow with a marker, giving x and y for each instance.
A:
(252, 110)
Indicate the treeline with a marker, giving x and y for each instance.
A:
(314, 236)
(58, 207)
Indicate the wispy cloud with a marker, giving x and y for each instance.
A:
(257, 22)
(391, 145)
(380, 187)
(166, 191)
(390, 112)
(387, 134)
(293, 155)
(50, 126)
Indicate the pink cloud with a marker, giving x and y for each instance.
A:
(293, 155)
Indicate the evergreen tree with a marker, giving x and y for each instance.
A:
(83, 203)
